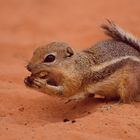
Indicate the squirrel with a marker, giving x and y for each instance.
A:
(110, 68)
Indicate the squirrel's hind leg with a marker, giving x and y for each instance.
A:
(137, 98)
(129, 86)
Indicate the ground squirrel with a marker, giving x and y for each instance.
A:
(110, 68)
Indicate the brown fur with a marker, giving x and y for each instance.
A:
(110, 68)
(123, 84)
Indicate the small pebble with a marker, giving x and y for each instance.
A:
(125, 132)
(25, 123)
(66, 120)
(89, 112)
(21, 109)
(73, 121)
(106, 124)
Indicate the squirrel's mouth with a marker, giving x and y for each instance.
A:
(39, 82)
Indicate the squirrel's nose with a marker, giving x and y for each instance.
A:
(28, 67)
(28, 80)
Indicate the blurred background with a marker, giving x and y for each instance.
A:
(27, 24)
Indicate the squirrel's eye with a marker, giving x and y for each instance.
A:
(49, 58)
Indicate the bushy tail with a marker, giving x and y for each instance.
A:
(116, 32)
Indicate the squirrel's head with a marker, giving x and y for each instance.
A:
(50, 55)
(46, 64)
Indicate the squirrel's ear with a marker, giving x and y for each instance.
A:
(70, 52)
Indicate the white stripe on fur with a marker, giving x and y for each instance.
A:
(108, 63)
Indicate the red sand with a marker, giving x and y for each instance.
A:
(26, 114)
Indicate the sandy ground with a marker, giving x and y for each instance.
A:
(26, 114)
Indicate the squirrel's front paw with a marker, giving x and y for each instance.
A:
(76, 98)
(54, 90)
